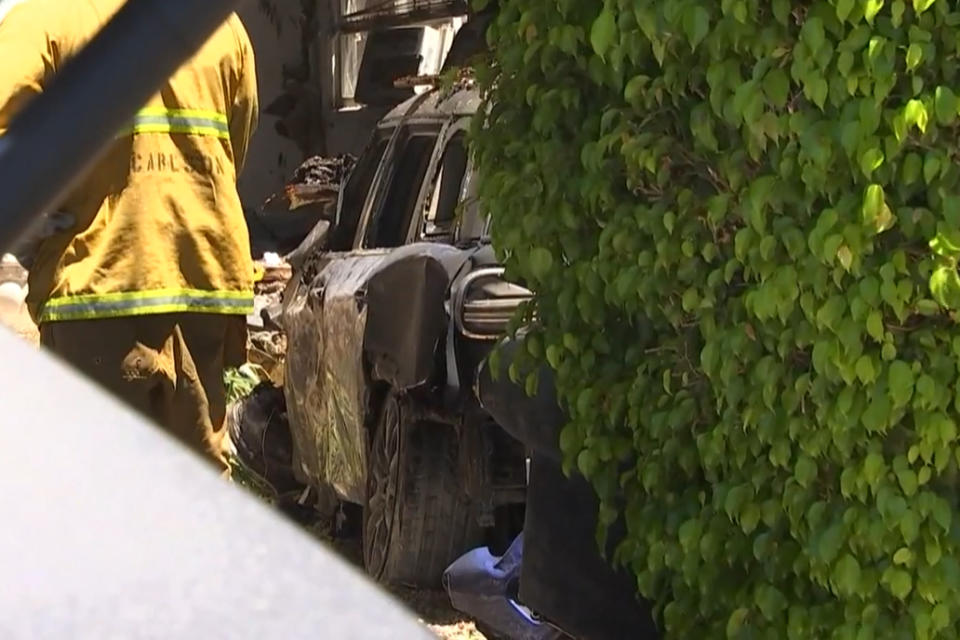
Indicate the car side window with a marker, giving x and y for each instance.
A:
(440, 216)
(473, 222)
(390, 222)
(357, 188)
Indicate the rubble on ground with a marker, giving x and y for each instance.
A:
(266, 342)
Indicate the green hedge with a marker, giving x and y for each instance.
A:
(742, 220)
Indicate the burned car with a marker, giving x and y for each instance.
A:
(392, 307)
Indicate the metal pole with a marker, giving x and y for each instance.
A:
(57, 136)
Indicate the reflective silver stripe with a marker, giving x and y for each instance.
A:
(190, 122)
(146, 303)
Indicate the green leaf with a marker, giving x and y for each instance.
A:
(903, 556)
(875, 212)
(939, 618)
(541, 262)
(922, 5)
(776, 86)
(735, 623)
(701, 124)
(909, 526)
(587, 462)
(603, 32)
(908, 481)
(750, 518)
(813, 34)
(805, 471)
(876, 418)
(781, 11)
(633, 92)
(871, 9)
(844, 7)
(942, 513)
(951, 215)
(696, 24)
(900, 382)
(845, 256)
(945, 286)
(847, 575)
(873, 467)
(770, 601)
(898, 582)
(830, 544)
(865, 370)
(870, 161)
(914, 56)
(845, 63)
(931, 167)
(945, 105)
(897, 9)
(915, 114)
(875, 325)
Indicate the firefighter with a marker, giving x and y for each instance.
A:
(145, 289)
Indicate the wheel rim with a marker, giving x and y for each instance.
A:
(382, 481)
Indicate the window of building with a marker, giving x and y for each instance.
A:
(349, 48)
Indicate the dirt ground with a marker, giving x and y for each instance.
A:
(432, 608)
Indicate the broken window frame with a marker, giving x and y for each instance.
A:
(473, 225)
(343, 237)
(437, 225)
(378, 206)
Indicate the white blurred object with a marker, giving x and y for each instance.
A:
(271, 259)
(6, 5)
(13, 294)
(11, 270)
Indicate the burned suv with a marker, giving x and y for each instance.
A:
(392, 307)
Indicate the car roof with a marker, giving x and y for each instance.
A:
(110, 529)
(436, 104)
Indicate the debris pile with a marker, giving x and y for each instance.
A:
(309, 196)
(318, 180)
(266, 342)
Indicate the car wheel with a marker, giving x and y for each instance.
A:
(417, 520)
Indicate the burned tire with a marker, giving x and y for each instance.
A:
(417, 519)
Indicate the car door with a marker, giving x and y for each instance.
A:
(444, 193)
(361, 187)
(400, 194)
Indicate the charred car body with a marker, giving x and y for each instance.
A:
(392, 307)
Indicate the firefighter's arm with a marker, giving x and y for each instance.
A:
(246, 107)
(29, 59)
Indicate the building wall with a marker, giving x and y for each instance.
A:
(338, 130)
(271, 158)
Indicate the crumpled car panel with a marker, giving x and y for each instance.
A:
(377, 314)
